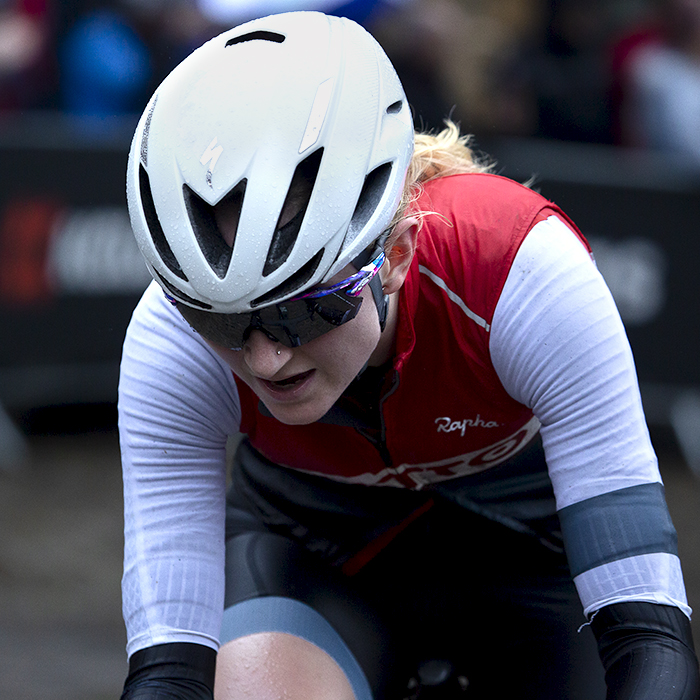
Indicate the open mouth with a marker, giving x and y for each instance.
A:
(290, 382)
(295, 379)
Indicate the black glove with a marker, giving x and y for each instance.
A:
(177, 671)
(647, 651)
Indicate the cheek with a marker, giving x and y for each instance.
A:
(233, 358)
(369, 318)
(354, 342)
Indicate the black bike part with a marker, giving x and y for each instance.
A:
(647, 651)
(438, 680)
(176, 671)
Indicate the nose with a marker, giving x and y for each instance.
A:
(264, 357)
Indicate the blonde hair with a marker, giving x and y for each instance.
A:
(447, 152)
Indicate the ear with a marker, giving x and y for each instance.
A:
(400, 255)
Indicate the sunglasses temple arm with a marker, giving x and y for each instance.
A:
(381, 300)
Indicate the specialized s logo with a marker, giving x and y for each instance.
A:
(447, 425)
(210, 157)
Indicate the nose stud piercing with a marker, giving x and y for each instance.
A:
(279, 352)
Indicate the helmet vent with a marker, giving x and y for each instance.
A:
(395, 107)
(370, 197)
(147, 132)
(215, 244)
(257, 36)
(293, 211)
(155, 229)
(293, 283)
(180, 296)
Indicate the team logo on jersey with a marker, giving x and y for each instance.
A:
(417, 476)
(447, 425)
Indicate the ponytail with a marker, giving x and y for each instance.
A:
(440, 154)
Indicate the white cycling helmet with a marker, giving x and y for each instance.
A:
(300, 92)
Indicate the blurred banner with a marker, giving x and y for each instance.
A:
(70, 271)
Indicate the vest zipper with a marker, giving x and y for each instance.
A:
(380, 443)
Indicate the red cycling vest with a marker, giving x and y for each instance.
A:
(444, 410)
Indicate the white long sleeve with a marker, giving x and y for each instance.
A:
(177, 406)
(559, 347)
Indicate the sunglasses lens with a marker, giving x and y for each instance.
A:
(292, 323)
(297, 322)
(228, 330)
(336, 310)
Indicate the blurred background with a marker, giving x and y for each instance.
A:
(597, 100)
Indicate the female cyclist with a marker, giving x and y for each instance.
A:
(445, 455)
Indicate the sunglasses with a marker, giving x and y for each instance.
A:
(293, 322)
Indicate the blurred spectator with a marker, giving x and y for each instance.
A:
(496, 28)
(639, 32)
(447, 52)
(414, 41)
(563, 78)
(171, 29)
(27, 75)
(659, 69)
(113, 53)
(104, 63)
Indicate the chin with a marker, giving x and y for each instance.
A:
(297, 415)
